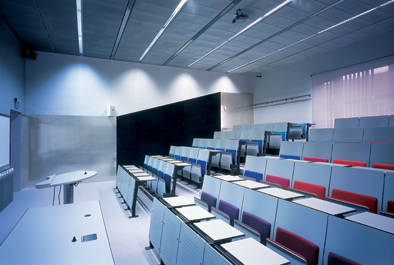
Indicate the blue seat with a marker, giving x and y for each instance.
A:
(255, 167)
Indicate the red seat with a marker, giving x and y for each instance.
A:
(361, 199)
(284, 182)
(315, 159)
(320, 191)
(383, 166)
(352, 163)
(298, 244)
(390, 206)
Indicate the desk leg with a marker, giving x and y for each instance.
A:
(210, 163)
(68, 193)
(134, 202)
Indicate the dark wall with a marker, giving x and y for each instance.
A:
(153, 131)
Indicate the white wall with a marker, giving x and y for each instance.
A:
(236, 110)
(73, 85)
(295, 80)
(12, 71)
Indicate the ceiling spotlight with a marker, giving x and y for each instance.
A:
(259, 75)
(240, 17)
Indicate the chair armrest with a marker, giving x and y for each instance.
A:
(221, 215)
(307, 194)
(271, 184)
(282, 249)
(201, 203)
(246, 177)
(387, 214)
(358, 207)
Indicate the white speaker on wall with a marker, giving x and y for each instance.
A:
(111, 111)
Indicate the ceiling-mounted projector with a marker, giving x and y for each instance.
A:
(240, 17)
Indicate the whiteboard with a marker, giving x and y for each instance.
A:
(4, 140)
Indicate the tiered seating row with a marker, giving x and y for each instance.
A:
(365, 122)
(356, 154)
(373, 135)
(321, 179)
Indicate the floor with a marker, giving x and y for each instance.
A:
(128, 237)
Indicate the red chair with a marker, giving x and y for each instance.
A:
(283, 182)
(362, 200)
(315, 159)
(383, 166)
(352, 163)
(317, 190)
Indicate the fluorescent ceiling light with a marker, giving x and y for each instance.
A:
(173, 15)
(79, 20)
(243, 30)
(313, 35)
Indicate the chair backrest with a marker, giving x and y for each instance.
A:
(348, 135)
(317, 174)
(202, 160)
(169, 172)
(346, 122)
(245, 136)
(211, 144)
(267, 127)
(379, 135)
(361, 199)
(321, 135)
(162, 169)
(291, 150)
(212, 186)
(232, 147)
(146, 160)
(257, 136)
(232, 193)
(255, 167)
(388, 193)
(374, 121)
(237, 128)
(231, 210)
(351, 152)
(350, 162)
(172, 151)
(320, 191)
(185, 153)
(193, 155)
(246, 127)
(178, 152)
(196, 142)
(284, 182)
(226, 135)
(280, 167)
(209, 199)
(221, 145)
(258, 224)
(203, 143)
(335, 259)
(382, 154)
(317, 151)
(155, 166)
(358, 180)
(235, 135)
(256, 127)
(150, 164)
(306, 248)
(217, 135)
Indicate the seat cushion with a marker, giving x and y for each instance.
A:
(256, 175)
(315, 159)
(208, 199)
(258, 224)
(306, 248)
(348, 162)
(383, 166)
(361, 199)
(390, 206)
(320, 191)
(335, 259)
(290, 157)
(231, 210)
(284, 182)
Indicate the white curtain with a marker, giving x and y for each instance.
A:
(360, 90)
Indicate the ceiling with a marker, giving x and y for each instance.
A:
(123, 29)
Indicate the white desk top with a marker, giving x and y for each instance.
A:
(332, 164)
(67, 178)
(134, 169)
(248, 251)
(229, 178)
(374, 220)
(253, 185)
(146, 178)
(325, 206)
(139, 174)
(218, 230)
(130, 166)
(281, 194)
(43, 236)
(176, 202)
(195, 213)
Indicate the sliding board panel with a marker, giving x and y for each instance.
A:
(305, 222)
(262, 205)
(388, 194)
(379, 135)
(292, 150)
(313, 173)
(212, 257)
(212, 186)
(255, 167)
(321, 135)
(362, 244)
(347, 122)
(317, 150)
(348, 135)
(374, 121)
(351, 152)
(191, 247)
(358, 180)
(382, 154)
(170, 237)
(232, 193)
(156, 224)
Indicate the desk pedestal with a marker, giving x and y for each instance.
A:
(68, 193)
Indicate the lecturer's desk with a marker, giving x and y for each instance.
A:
(68, 180)
(44, 236)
